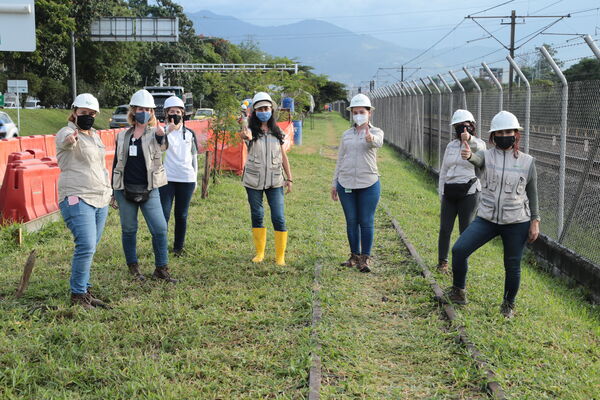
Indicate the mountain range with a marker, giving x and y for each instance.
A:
(339, 53)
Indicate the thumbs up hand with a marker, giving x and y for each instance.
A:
(465, 136)
(72, 138)
(465, 153)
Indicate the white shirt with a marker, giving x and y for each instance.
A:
(180, 164)
(456, 170)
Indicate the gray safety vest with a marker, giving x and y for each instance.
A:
(264, 169)
(503, 197)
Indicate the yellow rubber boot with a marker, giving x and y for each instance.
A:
(259, 235)
(280, 245)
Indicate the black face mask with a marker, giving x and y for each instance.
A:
(504, 142)
(461, 128)
(85, 122)
(175, 118)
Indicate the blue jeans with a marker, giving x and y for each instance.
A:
(257, 211)
(478, 233)
(359, 208)
(155, 219)
(182, 193)
(86, 224)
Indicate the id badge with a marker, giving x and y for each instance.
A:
(133, 151)
(347, 190)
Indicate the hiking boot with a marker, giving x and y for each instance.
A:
(364, 262)
(81, 299)
(134, 269)
(95, 301)
(453, 295)
(351, 262)
(507, 309)
(442, 267)
(163, 273)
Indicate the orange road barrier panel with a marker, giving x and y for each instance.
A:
(7, 146)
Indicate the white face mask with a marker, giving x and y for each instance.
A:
(360, 119)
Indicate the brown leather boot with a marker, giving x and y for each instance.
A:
(364, 263)
(134, 269)
(351, 262)
(95, 301)
(453, 295)
(442, 267)
(81, 299)
(163, 273)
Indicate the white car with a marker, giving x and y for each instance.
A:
(8, 128)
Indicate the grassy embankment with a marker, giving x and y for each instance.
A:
(231, 329)
(49, 121)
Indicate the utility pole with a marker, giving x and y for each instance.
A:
(401, 68)
(513, 22)
(73, 68)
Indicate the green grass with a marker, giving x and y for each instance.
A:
(49, 121)
(231, 329)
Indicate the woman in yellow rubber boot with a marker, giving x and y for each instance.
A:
(267, 171)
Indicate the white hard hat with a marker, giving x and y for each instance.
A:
(504, 120)
(142, 98)
(360, 100)
(86, 100)
(173, 101)
(462, 116)
(262, 99)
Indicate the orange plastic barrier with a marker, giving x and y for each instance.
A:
(109, 159)
(33, 142)
(108, 137)
(7, 146)
(29, 190)
(288, 131)
(50, 145)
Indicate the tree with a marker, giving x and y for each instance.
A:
(585, 70)
(539, 71)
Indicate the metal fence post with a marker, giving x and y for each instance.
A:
(451, 100)
(462, 89)
(439, 135)
(527, 101)
(563, 139)
(421, 132)
(430, 146)
(478, 88)
(498, 84)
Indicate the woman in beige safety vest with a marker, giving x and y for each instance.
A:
(138, 172)
(267, 171)
(508, 208)
(83, 191)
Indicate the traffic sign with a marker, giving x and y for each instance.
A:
(17, 86)
(17, 25)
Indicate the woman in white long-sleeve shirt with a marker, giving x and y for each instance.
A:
(458, 186)
(356, 181)
(181, 166)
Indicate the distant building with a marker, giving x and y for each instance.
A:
(498, 72)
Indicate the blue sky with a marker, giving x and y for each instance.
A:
(419, 24)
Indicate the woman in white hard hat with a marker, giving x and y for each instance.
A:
(356, 181)
(458, 185)
(138, 172)
(84, 192)
(508, 207)
(181, 166)
(267, 171)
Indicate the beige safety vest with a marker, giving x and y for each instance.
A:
(264, 167)
(152, 156)
(503, 197)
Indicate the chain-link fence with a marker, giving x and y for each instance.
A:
(419, 124)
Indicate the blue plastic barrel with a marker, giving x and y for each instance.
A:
(288, 103)
(297, 132)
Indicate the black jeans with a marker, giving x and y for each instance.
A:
(182, 193)
(466, 209)
(481, 231)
